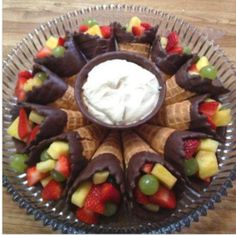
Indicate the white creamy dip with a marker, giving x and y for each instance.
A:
(120, 92)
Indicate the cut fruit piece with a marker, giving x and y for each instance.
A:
(147, 168)
(83, 28)
(57, 176)
(100, 177)
(35, 117)
(152, 207)
(33, 134)
(94, 31)
(52, 191)
(13, 129)
(138, 30)
(79, 196)
(148, 184)
(58, 148)
(163, 41)
(24, 128)
(106, 31)
(110, 209)
(34, 176)
(109, 193)
(59, 51)
(61, 41)
(222, 117)
(46, 166)
(44, 52)
(52, 42)
(140, 197)
(63, 165)
(44, 156)
(147, 26)
(176, 50)
(19, 89)
(202, 62)
(17, 162)
(134, 21)
(208, 72)
(208, 108)
(31, 83)
(86, 216)
(190, 167)
(173, 40)
(164, 175)
(207, 164)
(191, 147)
(25, 73)
(46, 180)
(209, 145)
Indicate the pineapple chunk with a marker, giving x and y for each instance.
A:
(95, 31)
(134, 21)
(79, 196)
(13, 129)
(35, 117)
(207, 164)
(46, 180)
(208, 145)
(52, 42)
(46, 166)
(100, 177)
(222, 117)
(202, 62)
(57, 148)
(164, 175)
(31, 83)
(163, 42)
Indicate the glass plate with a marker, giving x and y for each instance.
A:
(192, 205)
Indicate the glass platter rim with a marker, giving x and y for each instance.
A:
(56, 224)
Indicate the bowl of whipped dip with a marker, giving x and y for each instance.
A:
(119, 90)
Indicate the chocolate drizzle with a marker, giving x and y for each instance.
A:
(68, 65)
(196, 84)
(168, 63)
(52, 88)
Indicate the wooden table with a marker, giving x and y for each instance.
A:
(22, 16)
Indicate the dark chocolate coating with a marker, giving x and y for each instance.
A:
(196, 84)
(52, 89)
(168, 63)
(92, 46)
(68, 65)
(122, 36)
(103, 162)
(77, 161)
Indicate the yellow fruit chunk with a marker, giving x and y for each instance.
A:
(57, 148)
(202, 62)
(100, 177)
(35, 117)
(207, 164)
(163, 42)
(164, 175)
(79, 196)
(46, 166)
(95, 31)
(45, 181)
(31, 83)
(13, 129)
(208, 145)
(52, 42)
(222, 117)
(134, 21)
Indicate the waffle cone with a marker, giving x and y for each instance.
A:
(71, 80)
(139, 48)
(175, 93)
(155, 136)
(133, 144)
(111, 145)
(91, 137)
(67, 101)
(75, 119)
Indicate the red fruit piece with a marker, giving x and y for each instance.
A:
(138, 30)
(61, 41)
(33, 134)
(193, 68)
(44, 52)
(19, 90)
(208, 108)
(164, 197)
(173, 40)
(93, 201)
(63, 165)
(147, 168)
(106, 31)
(146, 26)
(34, 176)
(86, 216)
(24, 128)
(25, 74)
(191, 147)
(52, 191)
(176, 50)
(210, 121)
(140, 197)
(83, 28)
(109, 193)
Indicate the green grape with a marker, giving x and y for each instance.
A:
(42, 76)
(110, 209)
(187, 50)
(209, 72)
(44, 156)
(59, 51)
(148, 184)
(90, 22)
(190, 167)
(57, 176)
(152, 207)
(17, 162)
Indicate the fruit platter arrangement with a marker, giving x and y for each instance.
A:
(118, 125)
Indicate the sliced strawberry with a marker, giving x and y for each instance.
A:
(147, 26)
(34, 176)
(19, 89)
(164, 198)
(193, 68)
(52, 191)
(83, 28)
(208, 108)
(109, 193)
(191, 147)
(138, 30)
(33, 134)
(173, 40)
(106, 31)
(86, 216)
(176, 50)
(44, 52)
(147, 168)
(93, 201)
(24, 73)
(207, 180)
(61, 41)
(140, 197)
(210, 121)
(24, 128)
(63, 165)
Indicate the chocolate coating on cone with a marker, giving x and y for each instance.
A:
(196, 84)
(168, 63)
(52, 88)
(65, 66)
